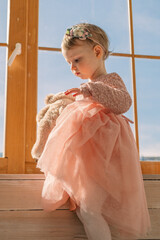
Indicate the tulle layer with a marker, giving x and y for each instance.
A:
(91, 158)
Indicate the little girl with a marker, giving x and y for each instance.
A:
(90, 156)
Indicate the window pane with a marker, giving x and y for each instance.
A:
(2, 95)
(148, 85)
(146, 18)
(112, 16)
(3, 20)
(54, 75)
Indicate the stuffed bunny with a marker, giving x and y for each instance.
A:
(46, 119)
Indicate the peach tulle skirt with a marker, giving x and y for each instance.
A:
(91, 158)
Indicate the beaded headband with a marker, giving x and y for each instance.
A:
(81, 34)
(78, 32)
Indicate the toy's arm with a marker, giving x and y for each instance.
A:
(111, 93)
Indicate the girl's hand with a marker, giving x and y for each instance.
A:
(76, 91)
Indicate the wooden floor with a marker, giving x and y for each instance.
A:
(22, 217)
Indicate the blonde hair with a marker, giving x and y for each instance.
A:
(98, 37)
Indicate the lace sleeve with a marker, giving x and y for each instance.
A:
(110, 91)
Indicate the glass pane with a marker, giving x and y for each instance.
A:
(3, 52)
(54, 75)
(112, 16)
(3, 19)
(148, 85)
(146, 18)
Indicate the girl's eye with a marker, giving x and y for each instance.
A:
(77, 60)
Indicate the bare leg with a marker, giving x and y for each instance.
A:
(95, 225)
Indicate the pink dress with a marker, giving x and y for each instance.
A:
(91, 158)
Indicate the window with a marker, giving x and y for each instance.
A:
(134, 43)
(130, 45)
(114, 20)
(50, 37)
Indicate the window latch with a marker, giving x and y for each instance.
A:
(17, 51)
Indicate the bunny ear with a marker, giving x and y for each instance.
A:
(49, 98)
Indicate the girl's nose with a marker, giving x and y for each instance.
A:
(73, 67)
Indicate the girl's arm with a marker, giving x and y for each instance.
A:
(111, 92)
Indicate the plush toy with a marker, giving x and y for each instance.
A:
(46, 119)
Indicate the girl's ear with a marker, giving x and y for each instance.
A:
(98, 51)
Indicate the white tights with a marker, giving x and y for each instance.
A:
(95, 226)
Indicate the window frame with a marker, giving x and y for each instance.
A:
(21, 92)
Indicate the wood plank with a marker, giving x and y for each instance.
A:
(155, 220)
(39, 225)
(3, 45)
(41, 176)
(58, 225)
(30, 168)
(20, 194)
(32, 66)
(16, 195)
(16, 89)
(3, 165)
(150, 167)
(152, 189)
(25, 192)
(22, 86)
(151, 177)
(21, 176)
(112, 53)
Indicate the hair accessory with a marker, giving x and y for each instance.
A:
(82, 34)
(78, 32)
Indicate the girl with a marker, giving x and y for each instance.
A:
(90, 156)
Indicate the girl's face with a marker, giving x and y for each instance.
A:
(85, 60)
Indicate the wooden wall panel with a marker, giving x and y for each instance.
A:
(26, 193)
(152, 189)
(20, 209)
(39, 225)
(57, 225)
